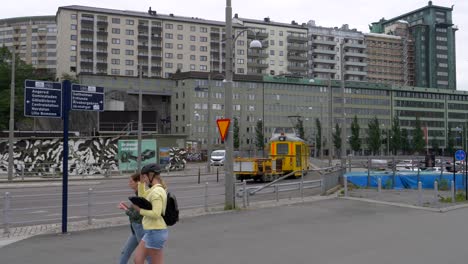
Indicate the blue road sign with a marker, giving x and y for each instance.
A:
(42, 99)
(460, 155)
(87, 98)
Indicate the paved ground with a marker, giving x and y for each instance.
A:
(330, 231)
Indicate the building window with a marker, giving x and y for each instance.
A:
(115, 30)
(73, 16)
(129, 42)
(129, 72)
(203, 48)
(72, 58)
(130, 22)
(272, 42)
(192, 67)
(168, 55)
(272, 62)
(240, 43)
(129, 62)
(115, 51)
(115, 71)
(169, 26)
(203, 58)
(272, 52)
(193, 38)
(115, 41)
(169, 35)
(280, 43)
(168, 65)
(129, 52)
(193, 28)
(192, 57)
(115, 20)
(281, 53)
(203, 29)
(73, 37)
(180, 27)
(203, 39)
(203, 67)
(180, 56)
(193, 48)
(180, 37)
(73, 27)
(180, 46)
(240, 52)
(115, 61)
(73, 47)
(129, 32)
(281, 33)
(240, 61)
(240, 70)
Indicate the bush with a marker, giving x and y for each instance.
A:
(443, 185)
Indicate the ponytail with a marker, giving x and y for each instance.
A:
(158, 178)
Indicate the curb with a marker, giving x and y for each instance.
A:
(45, 184)
(437, 210)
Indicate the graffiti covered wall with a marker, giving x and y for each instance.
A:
(40, 157)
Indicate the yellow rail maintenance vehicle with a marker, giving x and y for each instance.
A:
(287, 153)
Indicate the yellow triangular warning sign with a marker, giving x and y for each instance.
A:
(223, 125)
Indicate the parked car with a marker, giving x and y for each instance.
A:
(217, 157)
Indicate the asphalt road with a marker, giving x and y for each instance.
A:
(332, 231)
(43, 204)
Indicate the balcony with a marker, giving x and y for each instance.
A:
(258, 35)
(355, 45)
(257, 65)
(297, 47)
(324, 42)
(102, 23)
(86, 64)
(156, 38)
(102, 44)
(87, 22)
(356, 63)
(86, 41)
(101, 33)
(143, 47)
(297, 68)
(320, 60)
(142, 37)
(297, 39)
(325, 51)
(86, 53)
(294, 57)
(101, 53)
(324, 70)
(156, 57)
(355, 54)
(101, 65)
(143, 56)
(353, 72)
(156, 29)
(257, 54)
(156, 68)
(87, 31)
(214, 34)
(156, 48)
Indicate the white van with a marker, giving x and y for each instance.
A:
(217, 157)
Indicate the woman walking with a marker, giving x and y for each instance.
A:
(156, 232)
(135, 223)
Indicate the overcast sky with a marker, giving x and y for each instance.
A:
(330, 13)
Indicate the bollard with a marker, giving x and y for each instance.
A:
(393, 172)
(277, 192)
(453, 191)
(436, 191)
(369, 165)
(206, 197)
(244, 194)
(379, 185)
(198, 175)
(6, 209)
(349, 163)
(90, 192)
(420, 199)
(345, 181)
(301, 185)
(217, 175)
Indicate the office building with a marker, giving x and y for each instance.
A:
(34, 40)
(433, 32)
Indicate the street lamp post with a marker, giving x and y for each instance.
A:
(343, 129)
(140, 125)
(12, 118)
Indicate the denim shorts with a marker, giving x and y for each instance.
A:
(155, 238)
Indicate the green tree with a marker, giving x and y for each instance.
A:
(236, 133)
(405, 141)
(355, 140)
(418, 137)
(300, 128)
(318, 136)
(395, 136)
(23, 71)
(337, 139)
(259, 137)
(450, 150)
(374, 136)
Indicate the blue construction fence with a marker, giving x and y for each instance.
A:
(405, 180)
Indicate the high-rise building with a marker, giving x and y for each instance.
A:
(284, 47)
(114, 42)
(433, 32)
(34, 40)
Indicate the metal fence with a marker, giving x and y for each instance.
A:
(203, 196)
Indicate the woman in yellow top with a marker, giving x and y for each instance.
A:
(155, 229)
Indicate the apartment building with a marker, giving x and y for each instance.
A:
(115, 42)
(34, 40)
(432, 29)
(284, 47)
(334, 52)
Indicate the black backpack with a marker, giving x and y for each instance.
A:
(171, 216)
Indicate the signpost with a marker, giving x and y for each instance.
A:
(51, 99)
(87, 98)
(223, 125)
(42, 99)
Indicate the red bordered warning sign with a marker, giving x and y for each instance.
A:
(223, 126)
